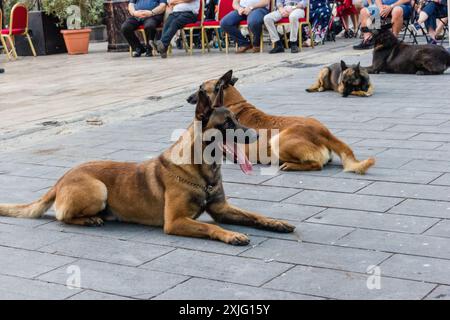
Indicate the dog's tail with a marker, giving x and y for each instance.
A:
(347, 156)
(32, 210)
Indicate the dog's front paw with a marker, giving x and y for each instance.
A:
(237, 239)
(280, 226)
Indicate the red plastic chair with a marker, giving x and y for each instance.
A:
(18, 26)
(284, 22)
(198, 25)
(225, 7)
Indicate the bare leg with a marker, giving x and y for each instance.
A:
(397, 20)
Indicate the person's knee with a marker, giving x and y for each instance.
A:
(397, 14)
(269, 19)
(126, 27)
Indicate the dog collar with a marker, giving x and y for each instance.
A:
(208, 189)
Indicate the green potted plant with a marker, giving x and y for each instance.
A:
(77, 14)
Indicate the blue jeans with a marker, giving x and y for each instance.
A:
(230, 24)
(434, 11)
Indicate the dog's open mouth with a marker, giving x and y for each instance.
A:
(237, 153)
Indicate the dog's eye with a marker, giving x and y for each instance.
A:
(229, 124)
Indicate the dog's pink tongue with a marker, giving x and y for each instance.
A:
(244, 163)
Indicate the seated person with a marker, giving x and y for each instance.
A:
(345, 9)
(251, 10)
(183, 13)
(319, 16)
(150, 14)
(294, 9)
(398, 10)
(431, 11)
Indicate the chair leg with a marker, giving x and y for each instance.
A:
(226, 43)
(191, 41)
(261, 43)
(286, 44)
(203, 38)
(218, 39)
(5, 47)
(31, 44)
(13, 48)
(183, 39)
(300, 38)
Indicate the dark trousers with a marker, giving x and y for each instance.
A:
(230, 24)
(174, 22)
(132, 23)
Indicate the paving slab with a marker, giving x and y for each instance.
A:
(347, 285)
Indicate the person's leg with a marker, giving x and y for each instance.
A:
(255, 22)
(150, 26)
(230, 23)
(128, 30)
(364, 16)
(397, 19)
(269, 21)
(354, 18)
(293, 21)
(175, 22)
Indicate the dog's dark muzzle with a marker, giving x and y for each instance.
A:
(193, 98)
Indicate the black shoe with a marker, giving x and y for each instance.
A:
(278, 47)
(137, 53)
(2, 70)
(148, 51)
(161, 49)
(294, 47)
(364, 45)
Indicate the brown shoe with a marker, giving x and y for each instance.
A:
(243, 49)
(256, 49)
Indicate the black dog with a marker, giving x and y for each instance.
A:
(2, 70)
(393, 56)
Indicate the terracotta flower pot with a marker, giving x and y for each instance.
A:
(77, 41)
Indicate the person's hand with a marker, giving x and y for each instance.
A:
(300, 6)
(283, 12)
(240, 11)
(139, 14)
(385, 11)
(247, 11)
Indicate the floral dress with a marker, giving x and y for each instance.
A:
(319, 16)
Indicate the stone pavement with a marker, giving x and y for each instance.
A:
(395, 220)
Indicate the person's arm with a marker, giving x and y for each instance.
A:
(131, 8)
(302, 4)
(157, 10)
(387, 9)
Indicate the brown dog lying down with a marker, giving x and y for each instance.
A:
(304, 143)
(157, 192)
(347, 80)
(393, 56)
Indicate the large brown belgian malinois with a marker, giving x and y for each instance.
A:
(302, 143)
(157, 192)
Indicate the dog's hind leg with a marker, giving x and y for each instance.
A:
(302, 166)
(318, 86)
(80, 203)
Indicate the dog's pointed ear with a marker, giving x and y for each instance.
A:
(357, 68)
(203, 109)
(218, 102)
(343, 65)
(226, 79)
(233, 81)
